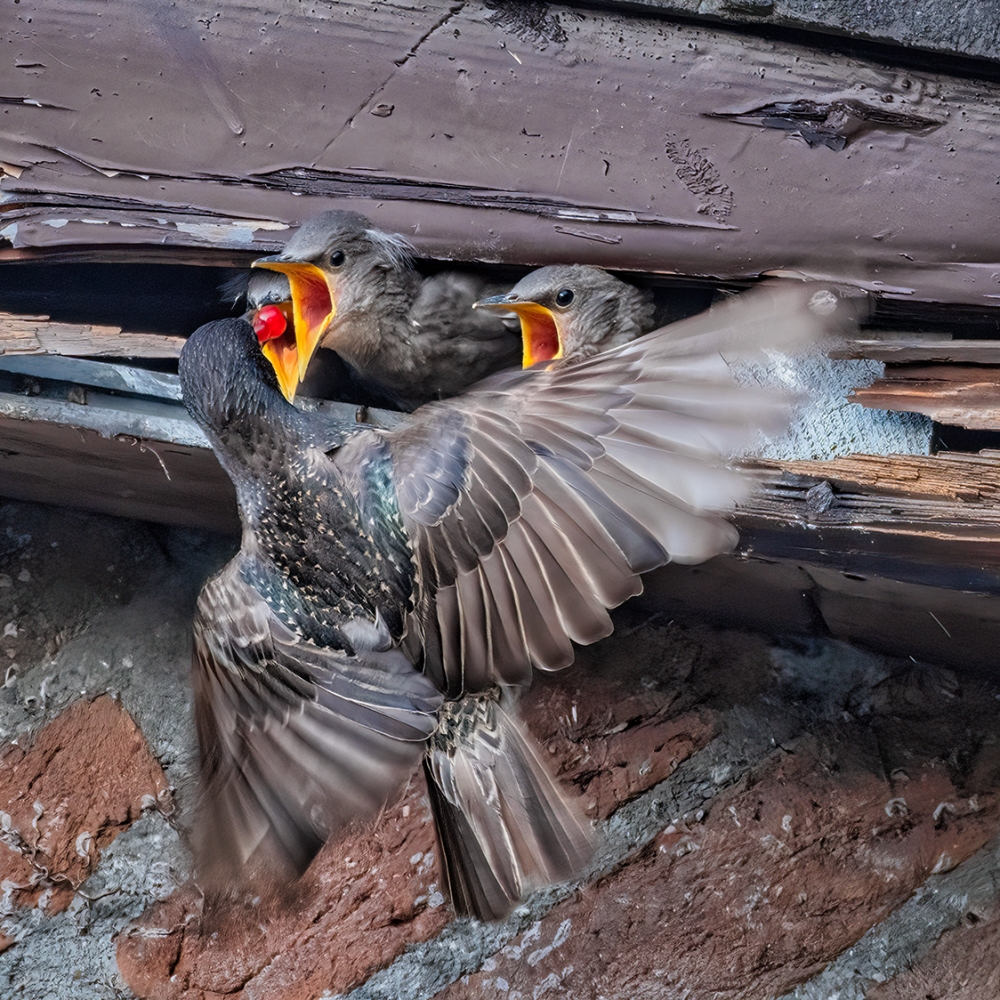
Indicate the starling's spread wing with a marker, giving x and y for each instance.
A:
(289, 730)
(535, 501)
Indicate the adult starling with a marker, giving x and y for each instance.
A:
(569, 312)
(395, 589)
(412, 339)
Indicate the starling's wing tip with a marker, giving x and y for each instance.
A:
(504, 824)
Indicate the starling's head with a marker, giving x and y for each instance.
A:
(266, 301)
(224, 376)
(573, 310)
(333, 264)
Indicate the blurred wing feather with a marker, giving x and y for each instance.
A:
(534, 502)
(287, 728)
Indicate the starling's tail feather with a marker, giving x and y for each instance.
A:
(503, 823)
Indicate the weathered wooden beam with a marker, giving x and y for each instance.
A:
(943, 624)
(925, 350)
(613, 138)
(121, 378)
(126, 475)
(962, 396)
(39, 335)
(934, 25)
(956, 477)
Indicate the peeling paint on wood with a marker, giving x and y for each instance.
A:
(471, 164)
(38, 335)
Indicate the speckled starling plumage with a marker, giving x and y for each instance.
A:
(395, 589)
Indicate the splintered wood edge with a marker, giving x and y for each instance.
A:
(39, 335)
(948, 477)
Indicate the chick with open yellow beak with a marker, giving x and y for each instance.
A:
(410, 339)
(312, 307)
(570, 312)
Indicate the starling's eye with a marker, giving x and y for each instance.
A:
(564, 298)
(337, 258)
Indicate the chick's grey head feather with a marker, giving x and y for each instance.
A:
(249, 290)
(323, 238)
(593, 310)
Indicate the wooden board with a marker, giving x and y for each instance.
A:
(494, 132)
(924, 350)
(959, 628)
(963, 396)
(124, 475)
(965, 480)
(38, 335)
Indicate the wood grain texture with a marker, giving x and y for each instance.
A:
(124, 475)
(608, 137)
(39, 335)
(960, 395)
(924, 350)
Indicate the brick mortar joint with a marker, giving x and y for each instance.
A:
(464, 945)
(911, 931)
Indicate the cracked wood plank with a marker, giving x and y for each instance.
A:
(956, 476)
(924, 350)
(962, 396)
(39, 335)
(222, 129)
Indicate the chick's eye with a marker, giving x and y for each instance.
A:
(565, 297)
(337, 258)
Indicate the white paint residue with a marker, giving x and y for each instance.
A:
(216, 232)
(237, 231)
(83, 844)
(10, 629)
(55, 223)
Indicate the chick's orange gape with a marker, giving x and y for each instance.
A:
(275, 329)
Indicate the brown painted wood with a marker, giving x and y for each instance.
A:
(149, 480)
(924, 350)
(959, 628)
(616, 138)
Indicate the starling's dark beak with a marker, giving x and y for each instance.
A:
(539, 328)
(314, 304)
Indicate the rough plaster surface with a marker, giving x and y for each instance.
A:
(89, 605)
(690, 748)
(827, 424)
